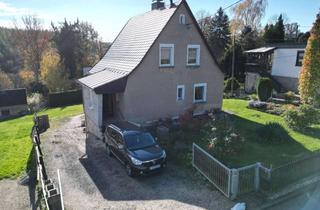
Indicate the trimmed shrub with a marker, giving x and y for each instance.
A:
(236, 84)
(254, 97)
(302, 117)
(273, 133)
(289, 96)
(264, 88)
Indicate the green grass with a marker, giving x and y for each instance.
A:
(15, 143)
(247, 121)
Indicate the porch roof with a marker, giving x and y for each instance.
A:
(261, 50)
(107, 81)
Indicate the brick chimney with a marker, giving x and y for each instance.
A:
(157, 4)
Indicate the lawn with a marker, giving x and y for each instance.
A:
(247, 121)
(15, 143)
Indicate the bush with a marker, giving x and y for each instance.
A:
(289, 96)
(302, 117)
(236, 85)
(222, 138)
(273, 133)
(264, 88)
(253, 97)
(35, 102)
(38, 87)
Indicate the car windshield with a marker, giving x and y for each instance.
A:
(138, 140)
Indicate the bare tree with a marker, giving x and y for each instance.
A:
(32, 42)
(291, 30)
(203, 18)
(248, 13)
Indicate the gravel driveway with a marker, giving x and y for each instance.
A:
(90, 180)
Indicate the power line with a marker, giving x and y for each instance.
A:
(237, 2)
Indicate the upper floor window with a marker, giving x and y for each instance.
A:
(200, 93)
(166, 55)
(193, 55)
(299, 60)
(180, 92)
(182, 19)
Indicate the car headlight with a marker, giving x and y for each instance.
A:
(135, 161)
(164, 155)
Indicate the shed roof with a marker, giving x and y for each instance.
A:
(13, 97)
(261, 50)
(129, 48)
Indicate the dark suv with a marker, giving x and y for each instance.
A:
(134, 148)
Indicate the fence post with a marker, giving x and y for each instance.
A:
(257, 177)
(234, 183)
(193, 154)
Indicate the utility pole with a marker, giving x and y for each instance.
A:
(233, 62)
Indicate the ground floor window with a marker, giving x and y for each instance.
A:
(180, 92)
(200, 93)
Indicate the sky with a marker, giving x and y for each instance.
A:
(109, 16)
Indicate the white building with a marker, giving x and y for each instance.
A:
(280, 62)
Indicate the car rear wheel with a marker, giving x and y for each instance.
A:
(129, 170)
(108, 151)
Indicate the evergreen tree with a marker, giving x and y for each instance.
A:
(274, 33)
(279, 27)
(77, 46)
(309, 81)
(218, 34)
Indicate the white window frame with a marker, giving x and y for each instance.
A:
(182, 19)
(204, 85)
(171, 64)
(183, 92)
(194, 46)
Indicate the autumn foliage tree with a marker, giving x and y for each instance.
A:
(309, 81)
(32, 42)
(53, 74)
(5, 81)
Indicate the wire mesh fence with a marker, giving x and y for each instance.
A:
(247, 179)
(212, 169)
(273, 180)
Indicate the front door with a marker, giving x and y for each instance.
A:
(109, 105)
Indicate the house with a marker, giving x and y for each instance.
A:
(159, 66)
(13, 103)
(281, 62)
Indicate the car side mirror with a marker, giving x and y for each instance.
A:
(120, 147)
(156, 138)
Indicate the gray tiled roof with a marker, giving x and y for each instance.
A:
(129, 48)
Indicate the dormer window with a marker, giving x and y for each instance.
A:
(193, 55)
(182, 19)
(166, 55)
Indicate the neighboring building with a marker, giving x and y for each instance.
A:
(281, 62)
(13, 103)
(159, 66)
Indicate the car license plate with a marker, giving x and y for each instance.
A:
(154, 167)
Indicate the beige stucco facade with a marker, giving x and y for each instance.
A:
(151, 90)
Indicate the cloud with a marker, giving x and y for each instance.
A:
(9, 10)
